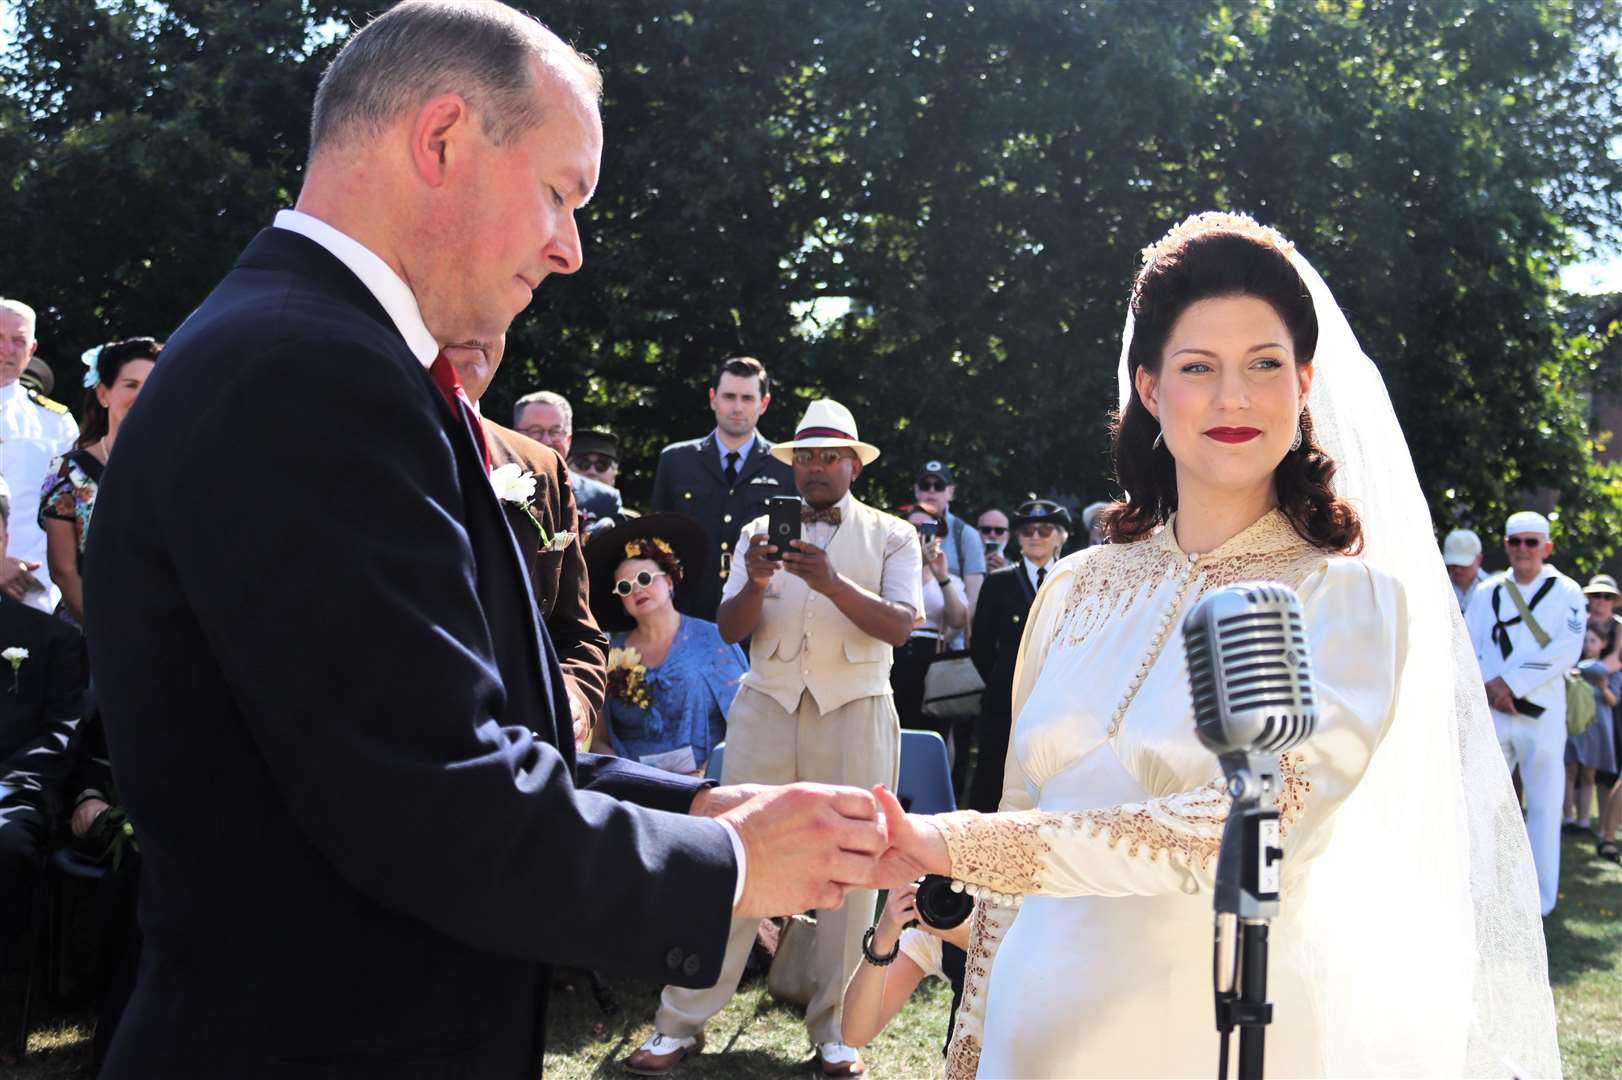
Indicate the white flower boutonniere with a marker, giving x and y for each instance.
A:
(514, 485)
(15, 657)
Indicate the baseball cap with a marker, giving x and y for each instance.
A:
(1461, 548)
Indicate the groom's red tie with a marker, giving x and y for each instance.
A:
(444, 377)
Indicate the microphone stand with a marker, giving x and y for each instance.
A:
(1247, 884)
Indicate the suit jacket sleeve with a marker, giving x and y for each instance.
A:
(582, 646)
(664, 483)
(983, 628)
(362, 661)
(43, 762)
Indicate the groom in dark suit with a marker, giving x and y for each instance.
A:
(337, 724)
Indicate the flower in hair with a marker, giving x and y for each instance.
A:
(91, 358)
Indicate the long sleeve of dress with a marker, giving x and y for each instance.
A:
(988, 924)
(1171, 843)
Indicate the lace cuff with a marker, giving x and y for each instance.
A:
(1162, 845)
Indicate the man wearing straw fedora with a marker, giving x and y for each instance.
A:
(823, 617)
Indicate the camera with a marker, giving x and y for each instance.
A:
(939, 905)
(928, 530)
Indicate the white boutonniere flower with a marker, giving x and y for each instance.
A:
(514, 485)
(15, 657)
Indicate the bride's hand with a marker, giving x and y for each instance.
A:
(916, 844)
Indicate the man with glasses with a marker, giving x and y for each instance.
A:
(965, 551)
(1042, 527)
(1527, 628)
(596, 456)
(824, 618)
(993, 529)
(724, 478)
(549, 418)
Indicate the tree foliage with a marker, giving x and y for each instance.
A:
(972, 181)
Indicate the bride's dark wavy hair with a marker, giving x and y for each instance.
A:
(1209, 256)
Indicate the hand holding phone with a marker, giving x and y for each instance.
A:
(782, 523)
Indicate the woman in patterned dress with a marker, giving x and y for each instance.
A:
(119, 370)
(1091, 947)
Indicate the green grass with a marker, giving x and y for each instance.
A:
(755, 1036)
(1585, 963)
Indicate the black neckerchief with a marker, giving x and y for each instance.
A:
(1500, 626)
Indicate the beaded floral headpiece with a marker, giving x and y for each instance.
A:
(1215, 221)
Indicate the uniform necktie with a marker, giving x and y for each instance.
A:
(732, 467)
(1041, 575)
(810, 515)
(444, 376)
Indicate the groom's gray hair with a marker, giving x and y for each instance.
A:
(480, 49)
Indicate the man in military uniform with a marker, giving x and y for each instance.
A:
(34, 432)
(725, 478)
(1042, 527)
(1523, 666)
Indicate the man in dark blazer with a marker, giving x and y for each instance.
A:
(547, 529)
(41, 702)
(1041, 527)
(334, 716)
(725, 478)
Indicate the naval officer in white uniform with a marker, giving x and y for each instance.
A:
(1522, 666)
(34, 432)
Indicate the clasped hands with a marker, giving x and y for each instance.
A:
(809, 845)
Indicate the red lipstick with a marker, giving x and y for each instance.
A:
(1233, 434)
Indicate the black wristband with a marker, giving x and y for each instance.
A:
(878, 961)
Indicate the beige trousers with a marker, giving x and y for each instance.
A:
(858, 744)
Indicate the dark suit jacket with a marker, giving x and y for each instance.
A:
(689, 479)
(558, 577)
(38, 718)
(999, 621)
(336, 720)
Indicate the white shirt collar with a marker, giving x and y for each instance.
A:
(394, 294)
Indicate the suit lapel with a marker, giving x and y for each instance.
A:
(710, 457)
(500, 566)
(756, 459)
(1026, 589)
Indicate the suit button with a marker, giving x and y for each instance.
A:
(687, 494)
(723, 545)
(689, 966)
(673, 959)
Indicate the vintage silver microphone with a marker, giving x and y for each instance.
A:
(1250, 675)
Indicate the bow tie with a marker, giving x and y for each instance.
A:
(810, 515)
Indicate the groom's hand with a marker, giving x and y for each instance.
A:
(806, 846)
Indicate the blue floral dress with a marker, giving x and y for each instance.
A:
(688, 698)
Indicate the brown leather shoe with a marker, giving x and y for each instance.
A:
(661, 1053)
(837, 1059)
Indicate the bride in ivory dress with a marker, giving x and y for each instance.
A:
(1255, 441)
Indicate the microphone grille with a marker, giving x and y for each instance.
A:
(1250, 670)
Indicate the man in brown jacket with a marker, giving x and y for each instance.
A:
(551, 544)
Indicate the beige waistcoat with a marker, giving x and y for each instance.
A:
(804, 642)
